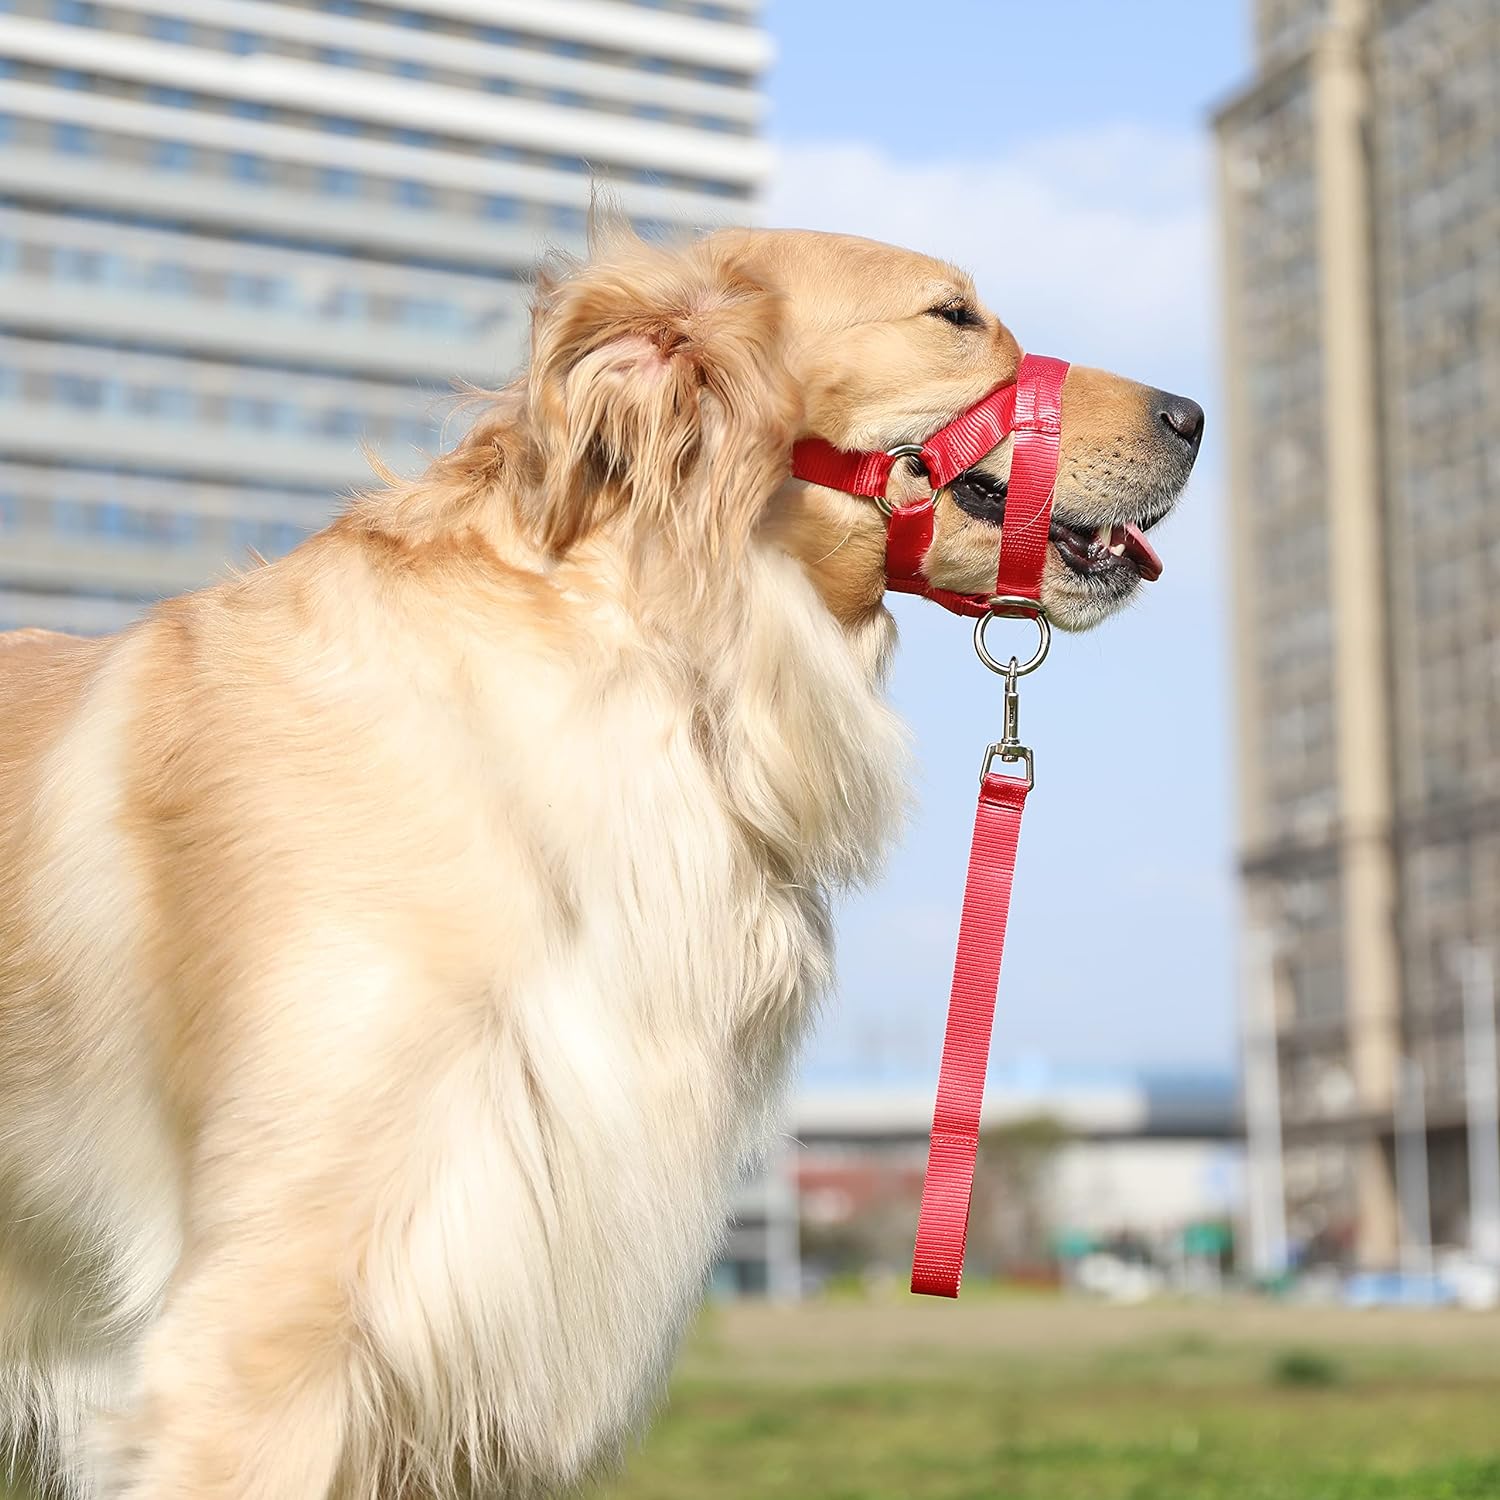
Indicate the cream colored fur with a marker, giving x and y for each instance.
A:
(402, 946)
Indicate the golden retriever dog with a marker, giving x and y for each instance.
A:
(403, 946)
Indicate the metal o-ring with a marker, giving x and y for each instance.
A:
(901, 450)
(1013, 608)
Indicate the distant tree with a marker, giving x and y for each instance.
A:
(1009, 1227)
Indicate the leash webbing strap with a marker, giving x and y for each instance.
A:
(943, 1221)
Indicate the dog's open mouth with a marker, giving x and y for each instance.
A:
(1096, 551)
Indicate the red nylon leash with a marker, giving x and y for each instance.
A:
(1031, 411)
(943, 1220)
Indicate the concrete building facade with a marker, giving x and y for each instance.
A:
(239, 239)
(1360, 200)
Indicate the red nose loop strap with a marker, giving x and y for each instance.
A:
(1030, 411)
(1037, 429)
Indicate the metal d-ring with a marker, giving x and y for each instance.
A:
(1011, 607)
(901, 450)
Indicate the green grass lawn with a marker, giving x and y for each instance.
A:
(992, 1399)
(1029, 1398)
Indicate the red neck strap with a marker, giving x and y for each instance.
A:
(1031, 409)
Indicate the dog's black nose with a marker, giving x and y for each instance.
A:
(1184, 417)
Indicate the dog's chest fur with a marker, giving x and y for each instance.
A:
(574, 1165)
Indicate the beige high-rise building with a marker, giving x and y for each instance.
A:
(1360, 196)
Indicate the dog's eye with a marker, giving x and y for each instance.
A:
(959, 314)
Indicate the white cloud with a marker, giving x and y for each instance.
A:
(1095, 247)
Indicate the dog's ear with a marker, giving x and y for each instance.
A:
(658, 393)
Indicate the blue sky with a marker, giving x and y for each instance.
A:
(1072, 138)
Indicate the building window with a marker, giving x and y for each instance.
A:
(338, 57)
(175, 156)
(245, 166)
(256, 291)
(347, 302)
(86, 392)
(69, 263)
(174, 402)
(340, 182)
(171, 277)
(68, 518)
(564, 216)
(500, 207)
(413, 194)
(75, 140)
(168, 29)
(75, 13)
(176, 98)
(433, 313)
(243, 43)
(407, 69)
(341, 421)
(249, 109)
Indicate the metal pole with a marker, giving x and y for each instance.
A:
(783, 1234)
(1267, 1194)
(1482, 1103)
(1411, 1168)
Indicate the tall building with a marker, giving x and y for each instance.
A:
(1360, 193)
(240, 239)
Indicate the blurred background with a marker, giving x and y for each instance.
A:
(1237, 1223)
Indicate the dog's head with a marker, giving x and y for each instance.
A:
(671, 384)
(888, 346)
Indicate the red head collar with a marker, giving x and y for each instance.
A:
(1031, 409)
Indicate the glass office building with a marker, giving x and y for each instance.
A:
(240, 240)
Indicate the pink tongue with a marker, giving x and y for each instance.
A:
(1140, 551)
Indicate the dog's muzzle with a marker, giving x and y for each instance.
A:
(1029, 410)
